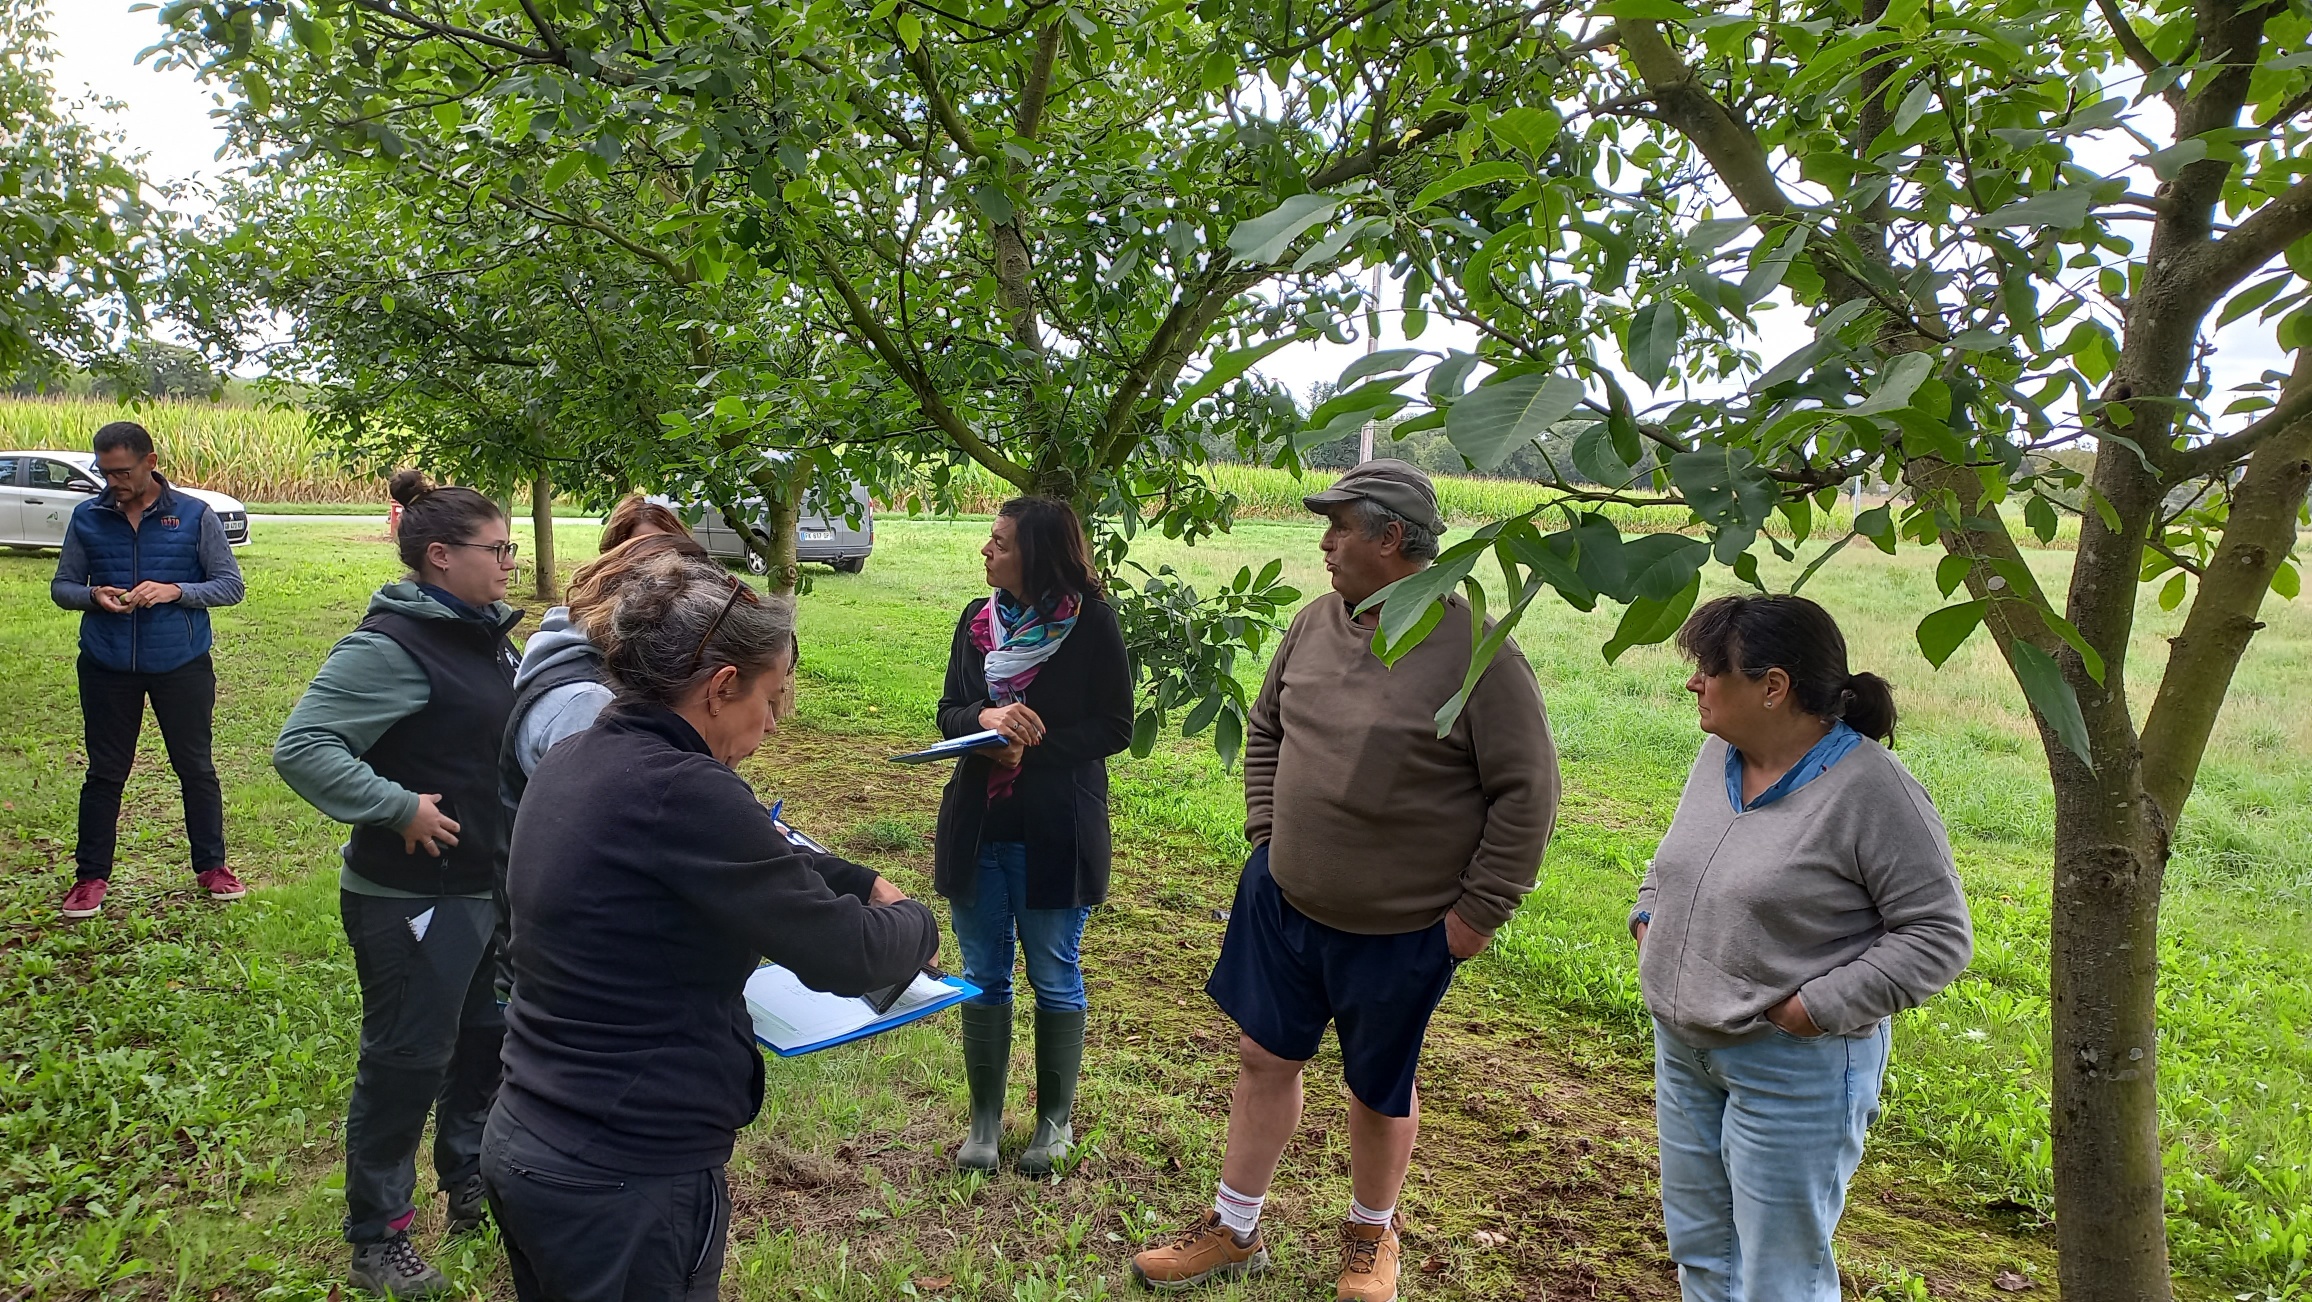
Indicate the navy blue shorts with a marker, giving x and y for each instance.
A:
(1282, 976)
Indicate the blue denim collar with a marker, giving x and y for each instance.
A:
(1817, 761)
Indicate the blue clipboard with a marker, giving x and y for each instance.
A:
(788, 1045)
(955, 748)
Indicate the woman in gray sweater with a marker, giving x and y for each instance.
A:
(1803, 895)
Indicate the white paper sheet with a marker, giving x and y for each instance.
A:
(791, 1015)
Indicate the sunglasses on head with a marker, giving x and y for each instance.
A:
(738, 589)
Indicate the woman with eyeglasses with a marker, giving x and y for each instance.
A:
(399, 736)
(647, 882)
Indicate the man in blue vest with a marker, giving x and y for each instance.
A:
(144, 563)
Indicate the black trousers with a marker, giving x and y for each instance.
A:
(430, 1033)
(111, 714)
(576, 1232)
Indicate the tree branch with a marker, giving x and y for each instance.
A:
(2259, 531)
(2138, 53)
(2215, 268)
(1030, 121)
(1367, 161)
(2214, 456)
(918, 61)
(866, 326)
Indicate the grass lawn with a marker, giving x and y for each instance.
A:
(173, 1075)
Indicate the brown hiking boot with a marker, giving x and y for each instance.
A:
(1368, 1263)
(1203, 1253)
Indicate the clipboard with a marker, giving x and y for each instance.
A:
(791, 1019)
(955, 748)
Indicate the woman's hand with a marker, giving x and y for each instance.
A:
(429, 827)
(1638, 933)
(1791, 1016)
(883, 892)
(1019, 724)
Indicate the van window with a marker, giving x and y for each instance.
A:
(52, 474)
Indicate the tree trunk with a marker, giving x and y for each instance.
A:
(542, 535)
(2111, 852)
(786, 513)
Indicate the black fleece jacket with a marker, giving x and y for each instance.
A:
(647, 882)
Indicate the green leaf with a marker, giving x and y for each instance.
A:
(2286, 581)
(1661, 11)
(1224, 368)
(1329, 248)
(1594, 455)
(1914, 105)
(2052, 697)
(1525, 129)
(2039, 517)
(1878, 525)
(1951, 571)
(1654, 331)
(2248, 300)
(1497, 419)
(1411, 606)
(1364, 397)
(910, 30)
(1725, 487)
(1941, 633)
(1764, 277)
(1446, 377)
(990, 199)
(1647, 622)
(1707, 236)
(2064, 208)
(563, 169)
(2171, 594)
(1476, 174)
(1144, 730)
(1263, 239)
(1387, 359)
(2165, 163)
(1896, 384)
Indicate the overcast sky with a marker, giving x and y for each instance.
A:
(165, 115)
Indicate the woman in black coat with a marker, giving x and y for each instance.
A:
(1022, 843)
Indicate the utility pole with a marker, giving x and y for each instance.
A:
(1372, 342)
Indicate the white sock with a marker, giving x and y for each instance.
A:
(1364, 1215)
(1239, 1212)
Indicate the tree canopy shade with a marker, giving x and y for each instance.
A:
(1031, 222)
(2013, 231)
(76, 230)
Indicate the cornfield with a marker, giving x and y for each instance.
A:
(257, 454)
(264, 455)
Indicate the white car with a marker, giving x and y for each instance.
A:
(38, 491)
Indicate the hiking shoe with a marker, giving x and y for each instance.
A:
(221, 884)
(86, 898)
(1203, 1253)
(1369, 1255)
(393, 1269)
(469, 1204)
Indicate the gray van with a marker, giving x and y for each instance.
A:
(820, 538)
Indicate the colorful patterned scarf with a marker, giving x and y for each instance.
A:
(1017, 640)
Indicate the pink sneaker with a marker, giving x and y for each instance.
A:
(221, 884)
(85, 899)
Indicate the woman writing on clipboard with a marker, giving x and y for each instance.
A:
(1021, 849)
(647, 881)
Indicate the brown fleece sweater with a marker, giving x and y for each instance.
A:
(1374, 823)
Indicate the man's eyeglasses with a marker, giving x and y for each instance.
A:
(739, 589)
(505, 550)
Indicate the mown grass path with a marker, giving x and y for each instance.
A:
(173, 1076)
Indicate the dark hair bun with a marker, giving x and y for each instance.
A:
(407, 486)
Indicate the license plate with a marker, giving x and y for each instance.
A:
(818, 535)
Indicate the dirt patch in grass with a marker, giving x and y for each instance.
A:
(1535, 1176)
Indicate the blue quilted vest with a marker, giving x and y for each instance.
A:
(165, 547)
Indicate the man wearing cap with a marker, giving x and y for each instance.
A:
(1383, 857)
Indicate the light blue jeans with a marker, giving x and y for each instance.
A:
(1758, 1143)
(1052, 938)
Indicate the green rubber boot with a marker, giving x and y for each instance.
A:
(1059, 1060)
(987, 1030)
